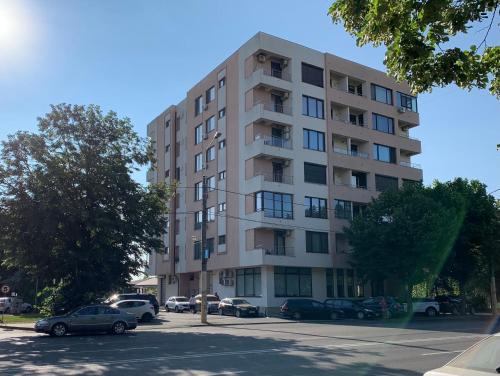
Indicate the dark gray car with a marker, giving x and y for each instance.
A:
(93, 318)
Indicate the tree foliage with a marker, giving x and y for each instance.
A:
(419, 39)
(70, 212)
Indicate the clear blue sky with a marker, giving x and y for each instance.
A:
(137, 57)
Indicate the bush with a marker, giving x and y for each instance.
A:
(62, 298)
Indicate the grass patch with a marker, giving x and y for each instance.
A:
(19, 319)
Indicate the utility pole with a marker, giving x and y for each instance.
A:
(204, 250)
(493, 287)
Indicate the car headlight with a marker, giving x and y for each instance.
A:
(42, 322)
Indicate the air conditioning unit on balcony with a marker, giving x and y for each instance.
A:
(285, 95)
(261, 58)
(228, 282)
(285, 63)
(401, 110)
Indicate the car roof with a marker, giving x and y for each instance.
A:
(132, 300)
(180, 296)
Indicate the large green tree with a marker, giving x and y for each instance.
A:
(403, 235)
(71, 215)
(419, 36)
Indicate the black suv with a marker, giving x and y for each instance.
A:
(307, 309)
(152, 299)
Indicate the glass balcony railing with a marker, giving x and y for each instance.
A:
(409, 164)
(282, 75)
(275, 107)
(278, 142)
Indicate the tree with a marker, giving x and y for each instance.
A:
(71, 216)
(402, 235)
(419, 35)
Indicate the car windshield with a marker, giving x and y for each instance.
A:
(182, 299)
(240, 301)
(212, 299)
(484, 357)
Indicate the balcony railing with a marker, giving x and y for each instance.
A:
(282, 75)
(276, 177)
(280, 251)
(275, 107)
(353, 153)
(352, 185)
(405, 135)
(279, 142)
(348, 122)
(409, 164)
(344, 90)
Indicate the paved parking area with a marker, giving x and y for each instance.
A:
(177, 345)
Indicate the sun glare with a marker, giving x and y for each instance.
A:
(15, 29)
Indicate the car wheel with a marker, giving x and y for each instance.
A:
(220, 312)
(431, 312)
(297, 316)
(59, 330)
(118, 327)
(360, 315)
(176, 309)
(7, 310)
(333, 316)
(455, 311)
(147, 317)
(238, 313)
(167, 309)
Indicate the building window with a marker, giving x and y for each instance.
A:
(197, 250)
(222, 113)
(312, 107)
(222, 239)
(358, 209)
(198, 134)
(355, 89)
(381, 94)
(210, 124)
(222, 175)
(198, 162)
(167, 148)
(292, 282)
(198, 105)
(198, 191)
(222, 206)
(210, 153)
(384, 153)
(177, 173)
(177, 226)
(222, 82)
(314, 140)
(330, 292)
(211, 183)
(350, 283)
(340, 283)
(167, 173)
(343, 209)
(408, 102)
(167, 124)
(316, 242)
(384, 183)
(383, 123)
(274, 205)
(222, 144)
(315, 207)
(211, 214)
(198, 219)
(357, 119)
(210, 245)
(312, 75)
(314, 173)
(248, 282)
(210, 94)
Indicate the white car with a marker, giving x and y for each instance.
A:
(177, 304)
(426, 305)
(482, 359)
(142, 309)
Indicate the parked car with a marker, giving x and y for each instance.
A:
(5, 304)
(481, 359)
(453, 304)
(350, 308)
(393, 307)
(142, 309)
(426, 305)
(134, 296)
(212, 303)
(93, 318)
(26, 308)
(177, 304)
(308, 309)
(237, 307)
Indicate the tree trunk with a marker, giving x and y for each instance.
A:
(408, 293)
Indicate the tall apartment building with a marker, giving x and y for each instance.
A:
(306, 140)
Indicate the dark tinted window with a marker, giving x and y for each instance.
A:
(314, 140)
(86, 311)
(312, 107)
(383, 183)
(108, 311)
(383, 123)
(381, 94)
(312, 75)
(316, 242)
(314, 173)
(384, 153)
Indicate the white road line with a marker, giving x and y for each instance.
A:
(443, 352)
(64, 351)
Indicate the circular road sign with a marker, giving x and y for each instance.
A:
(5, 289)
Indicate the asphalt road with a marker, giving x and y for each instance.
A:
(172, 346)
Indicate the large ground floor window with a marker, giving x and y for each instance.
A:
(342, 283)
(292, 282)
(248, 282)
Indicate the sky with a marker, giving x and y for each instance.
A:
(138, 57)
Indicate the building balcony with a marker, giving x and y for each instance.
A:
(271, 78)
(353, 153)
(410, 165)
(269, 111)
(272, 147)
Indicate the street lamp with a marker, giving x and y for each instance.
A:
(204, 250)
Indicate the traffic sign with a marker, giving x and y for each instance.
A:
(5, 289)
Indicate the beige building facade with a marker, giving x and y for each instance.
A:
(305, 140)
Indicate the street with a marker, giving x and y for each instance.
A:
(176, 345)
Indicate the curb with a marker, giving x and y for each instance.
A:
(15, 327)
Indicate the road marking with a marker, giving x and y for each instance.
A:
(443, 352)
(63, 351)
